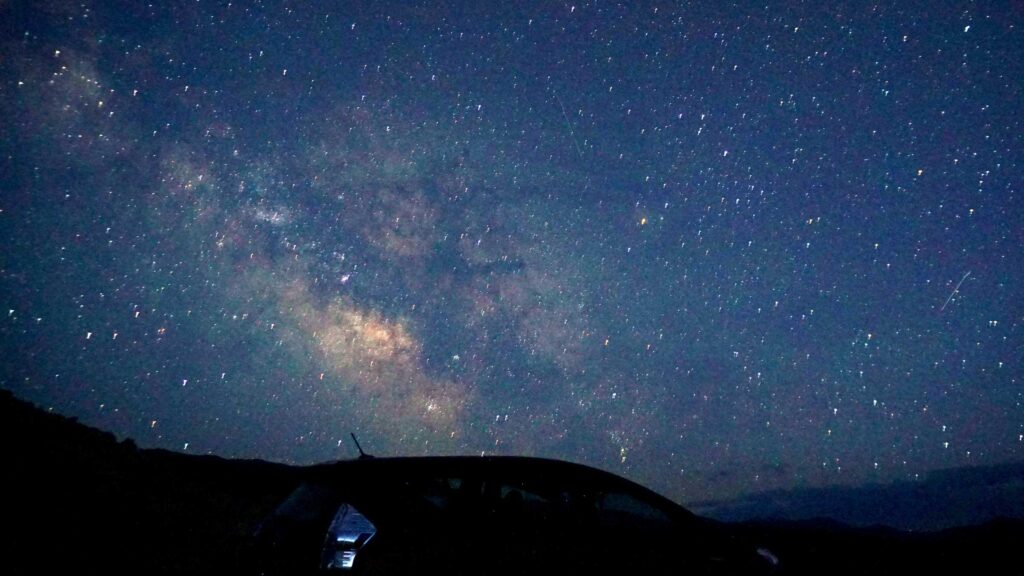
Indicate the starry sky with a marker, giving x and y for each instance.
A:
(715, 248)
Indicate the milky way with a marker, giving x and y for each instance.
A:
(717, 251)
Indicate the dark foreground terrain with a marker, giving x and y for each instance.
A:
(77, 500)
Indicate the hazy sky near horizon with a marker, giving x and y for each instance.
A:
(715, 249)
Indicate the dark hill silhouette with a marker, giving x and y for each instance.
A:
(77, 500)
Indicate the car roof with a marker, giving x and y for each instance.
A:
(568, 475)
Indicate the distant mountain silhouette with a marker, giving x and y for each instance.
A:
(941, 500)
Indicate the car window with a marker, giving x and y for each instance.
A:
(621, 502)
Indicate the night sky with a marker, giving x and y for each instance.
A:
(715, 249)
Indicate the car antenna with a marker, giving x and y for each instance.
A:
(362, 455)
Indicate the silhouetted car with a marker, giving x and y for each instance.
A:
(489, 515)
